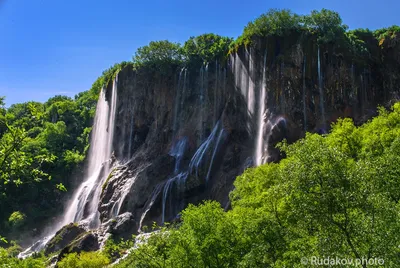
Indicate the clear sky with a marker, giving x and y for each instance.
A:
(50, 47)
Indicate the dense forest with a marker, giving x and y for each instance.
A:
(335, 194)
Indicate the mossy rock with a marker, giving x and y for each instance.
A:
(63, 237)
(87, 241)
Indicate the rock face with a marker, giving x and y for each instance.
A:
(63, 237)
(184, 136)
(85, 242)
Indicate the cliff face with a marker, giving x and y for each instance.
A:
(183, 135)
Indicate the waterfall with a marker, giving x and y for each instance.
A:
(198, 156)
(261, 115)
(216, 92)
(221, 133)
(183, 91)
(99, 164)
(131, 137)
(84, 203)
(250, 84)
(177, 102)
(178, 152)
(304, 95)
(149, 205)
(353, 87)
(282, 80)
(203, 98)
(178, 179)
(321, 92)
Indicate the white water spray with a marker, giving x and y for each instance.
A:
(261, 120)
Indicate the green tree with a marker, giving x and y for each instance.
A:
(206, 48)
(273, 23)
(158, 53)
(326, 24)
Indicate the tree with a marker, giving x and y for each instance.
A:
(158, 54)
(326, 24)
(206, 48)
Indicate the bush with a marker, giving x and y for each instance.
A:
(16, 219)
(84, 260)
(32, 262)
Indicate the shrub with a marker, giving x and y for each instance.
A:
(16, 219)
(84, 260)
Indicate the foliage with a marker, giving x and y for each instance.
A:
(326, 24)
(84, 260)
(158, 54)
(387, 32)
(115, 249)
(16, 219)
(109, 74)
(206, 48)
(273, 23)
(9, 261)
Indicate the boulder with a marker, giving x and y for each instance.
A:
(122, 224)
(85, 242)
(63, 237)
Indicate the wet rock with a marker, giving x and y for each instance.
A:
(136, 185)
(63, 237)
(122, 224)
(85, 242)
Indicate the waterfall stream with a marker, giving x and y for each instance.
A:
(321, 93)
(261, 117)
(84, 202)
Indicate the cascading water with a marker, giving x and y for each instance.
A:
(179, 182)
(250, 84)
(132, 129)
(220, 136)
(261, 117)
(353, 87)
(216, 92)
(282, 79)
(150, 204)
(183, 91)
(304, 95)
(203, 98)
(198, 156)
(84, 203)
(321, 92)
(179, 178)
(177, 102)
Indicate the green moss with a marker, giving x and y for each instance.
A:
(103, 187)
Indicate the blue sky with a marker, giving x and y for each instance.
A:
(50, 47)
